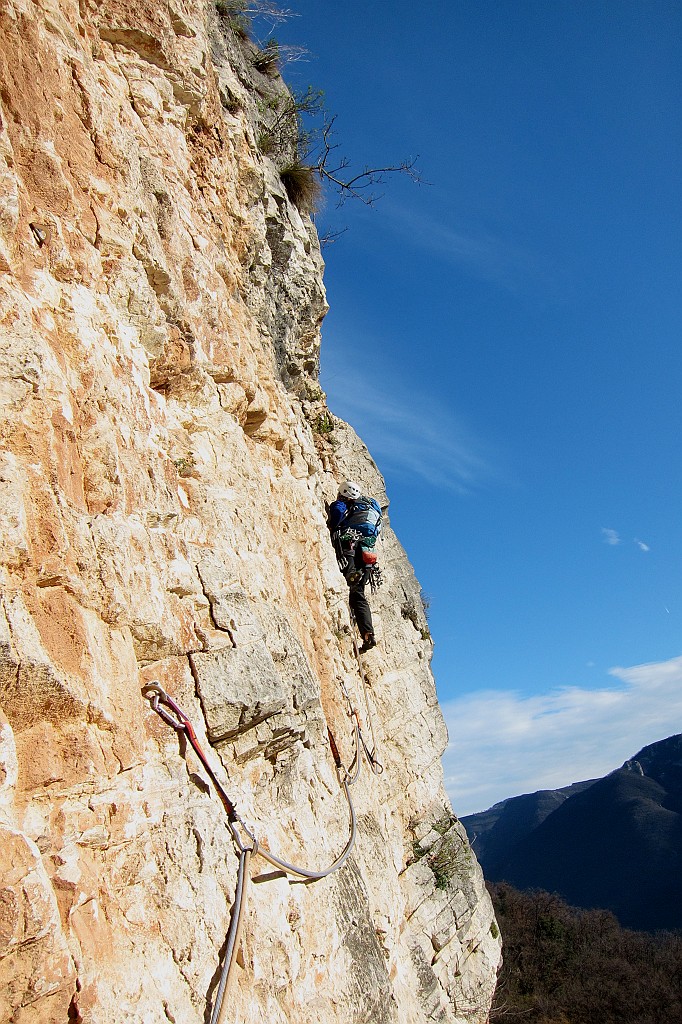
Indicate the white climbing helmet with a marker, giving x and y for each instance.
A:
(349, 490)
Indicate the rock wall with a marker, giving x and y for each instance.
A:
(165, 458)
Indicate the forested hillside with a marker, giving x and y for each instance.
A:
(563, 965)
(614, 842)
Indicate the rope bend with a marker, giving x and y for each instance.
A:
(171, 713)
(346, 782)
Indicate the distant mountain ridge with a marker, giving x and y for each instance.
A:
(614, 843)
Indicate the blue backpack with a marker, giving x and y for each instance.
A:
(365, 517)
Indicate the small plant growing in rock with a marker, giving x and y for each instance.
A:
(265, 143)
(418, 852)
(444, 824)
(185, 465)
(231, 103)
(409, 611)
(441, 863)
(267, 60)
(441, 875)
(324, 424)
(234, 14)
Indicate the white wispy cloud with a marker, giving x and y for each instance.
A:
(489, 255)
(411, 433)
(613, 538)
(503, 744)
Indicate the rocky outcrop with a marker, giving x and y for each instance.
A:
(165, 458)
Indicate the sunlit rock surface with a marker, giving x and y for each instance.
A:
(165, 460)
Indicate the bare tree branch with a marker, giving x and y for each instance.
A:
(356, 185)
(330, 236)
(267, 9)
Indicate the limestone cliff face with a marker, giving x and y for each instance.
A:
(165, 459)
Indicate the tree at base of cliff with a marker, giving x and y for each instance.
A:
(563, 965)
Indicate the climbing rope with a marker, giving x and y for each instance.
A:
(376, 767)
(233, 937)
(374, 764)
(171, 713)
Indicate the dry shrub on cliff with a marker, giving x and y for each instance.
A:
(267, 59)
(238, 14)
(235, 15)
(303, 186)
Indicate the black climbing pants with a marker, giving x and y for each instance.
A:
(360, 607)
(351, 564)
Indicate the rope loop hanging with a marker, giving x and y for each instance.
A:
(173, 715)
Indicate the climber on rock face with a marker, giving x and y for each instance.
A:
(354, 523)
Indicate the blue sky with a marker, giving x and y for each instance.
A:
(506, 340)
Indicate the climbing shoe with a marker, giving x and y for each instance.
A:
(368, 644)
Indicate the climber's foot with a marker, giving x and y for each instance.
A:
(369, 643)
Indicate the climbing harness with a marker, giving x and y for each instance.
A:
(171, 713)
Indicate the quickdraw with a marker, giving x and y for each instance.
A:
(178, 720)
(376, 579)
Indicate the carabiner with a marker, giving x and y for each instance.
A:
(253, 849)
(157, 697)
